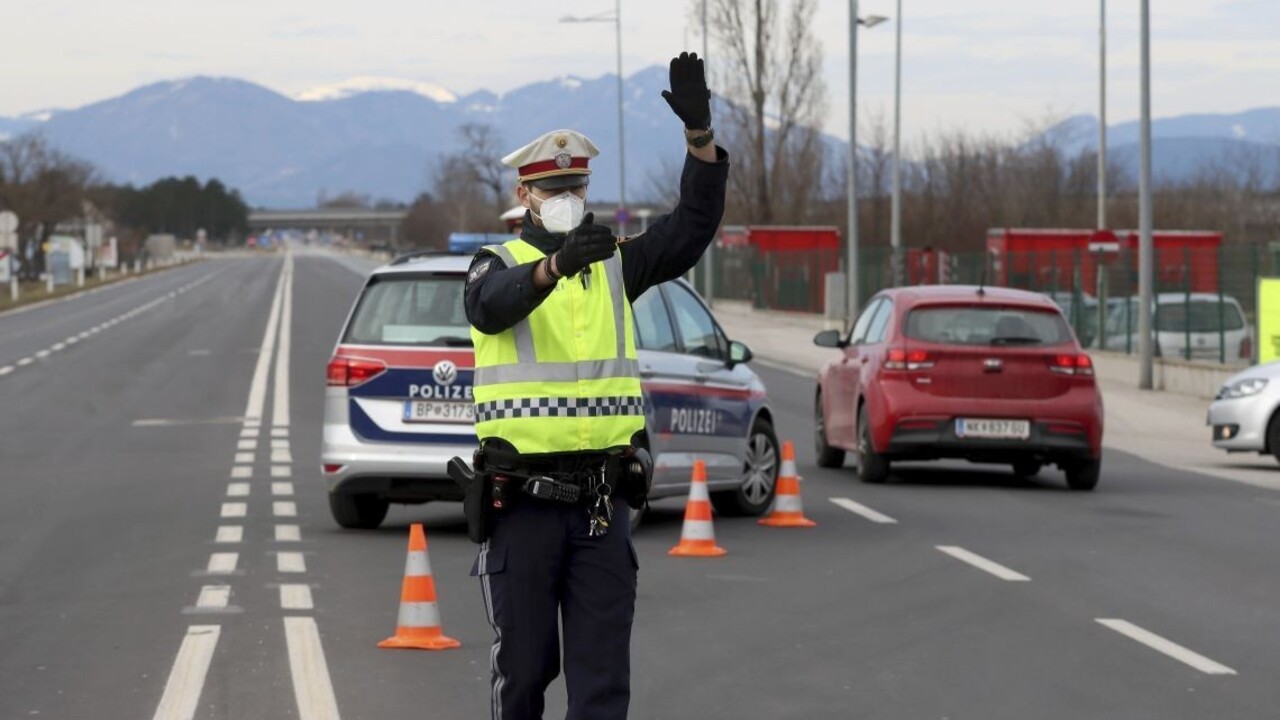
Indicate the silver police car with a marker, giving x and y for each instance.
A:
(398, 403)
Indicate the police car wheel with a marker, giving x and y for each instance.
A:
(357, 512)
(828, 457)
(760, 475)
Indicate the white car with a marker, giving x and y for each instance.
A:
(1195, 326)
(1244, 414)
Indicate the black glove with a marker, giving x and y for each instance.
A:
(585, 244)
(689, 97)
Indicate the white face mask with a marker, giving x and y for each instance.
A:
(561, 213)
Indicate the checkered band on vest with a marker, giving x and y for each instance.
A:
(559, 407)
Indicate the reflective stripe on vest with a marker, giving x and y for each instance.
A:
(554, 382)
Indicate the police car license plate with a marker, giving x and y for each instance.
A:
(434, 411)
(993, 429)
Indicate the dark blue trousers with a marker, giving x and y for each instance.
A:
(539, 570)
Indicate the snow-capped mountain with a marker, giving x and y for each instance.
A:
(366, 84)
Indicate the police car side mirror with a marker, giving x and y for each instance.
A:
(829, 338)
(739, 353)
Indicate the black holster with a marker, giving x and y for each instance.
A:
(477, 499)
(636, 476)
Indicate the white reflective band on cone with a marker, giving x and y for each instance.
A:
(787, 503)
(417, 564)
(418, 614)
(698, 530)
(698, 491)
(788, 469)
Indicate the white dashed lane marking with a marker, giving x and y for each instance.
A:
(246, 457)
(281, 488)
(214, 597)
(983, 564)
(284, 509)
(281, 471)
(291, 562)
(1167, 647)
(860, 509)
(229, 534)
(288, 533)
(238, 490)
(247, 444)
(234, 509)
(222, 563)
(281, 456)
(25, 361)
(6, 369)
(241, 471)
(186, 679)
(296, 597)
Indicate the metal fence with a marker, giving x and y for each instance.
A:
(1205, 308)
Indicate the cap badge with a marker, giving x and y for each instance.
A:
(564, 160)
(561, 141)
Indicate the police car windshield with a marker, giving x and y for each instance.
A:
(411, 310)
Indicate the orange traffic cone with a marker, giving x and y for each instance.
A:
(419, 623)
(698, 538)
(787, 509)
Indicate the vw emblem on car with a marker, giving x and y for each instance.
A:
(445, 372)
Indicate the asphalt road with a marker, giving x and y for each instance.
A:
(117, 503)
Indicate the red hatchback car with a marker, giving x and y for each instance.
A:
(990, 375)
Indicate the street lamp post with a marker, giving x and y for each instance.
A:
(616, 19)
(851, 265)
(1145, 259)
(895, 219)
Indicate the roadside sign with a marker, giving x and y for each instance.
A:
(1268, 319)
(6, 263)
(8, 230)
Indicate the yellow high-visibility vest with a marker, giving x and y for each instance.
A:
(566, 378)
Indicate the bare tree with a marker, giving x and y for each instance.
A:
(767, 69)
(481, 160)
(43, 186)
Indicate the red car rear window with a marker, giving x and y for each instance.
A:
(987, 325)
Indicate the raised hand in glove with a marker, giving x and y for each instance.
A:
(689, 97)
(585, 244)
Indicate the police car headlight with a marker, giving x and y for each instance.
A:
(1241, 388)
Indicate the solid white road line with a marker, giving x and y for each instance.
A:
(246, 457)
(296, 597)
(247, 444)
(186, 679)
(288, 533)
(281, 456)
(214, 597)
(229, 534)
(984, 564)
(281, 471)
(284, 509)
(281, 488)
(1168, 647)
(258, 387)
(311, 684)
(291, 562)
(241, 471)
(863, 510)
(280, 403)
(234, 509)
(238, 490)
(223, 563)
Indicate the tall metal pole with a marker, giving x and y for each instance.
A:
(895, 221)
(1102, 114)
(622, 144)
(851, 265)
(1145, 245)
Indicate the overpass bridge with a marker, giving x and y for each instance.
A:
(368, 227)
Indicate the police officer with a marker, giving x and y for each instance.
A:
(558, 402)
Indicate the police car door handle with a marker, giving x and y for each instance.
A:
(647, 372)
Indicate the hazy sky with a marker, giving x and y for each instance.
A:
(991, 65)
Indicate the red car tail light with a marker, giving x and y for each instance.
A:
(900, 359)
(1078, 364)
(349, 371)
